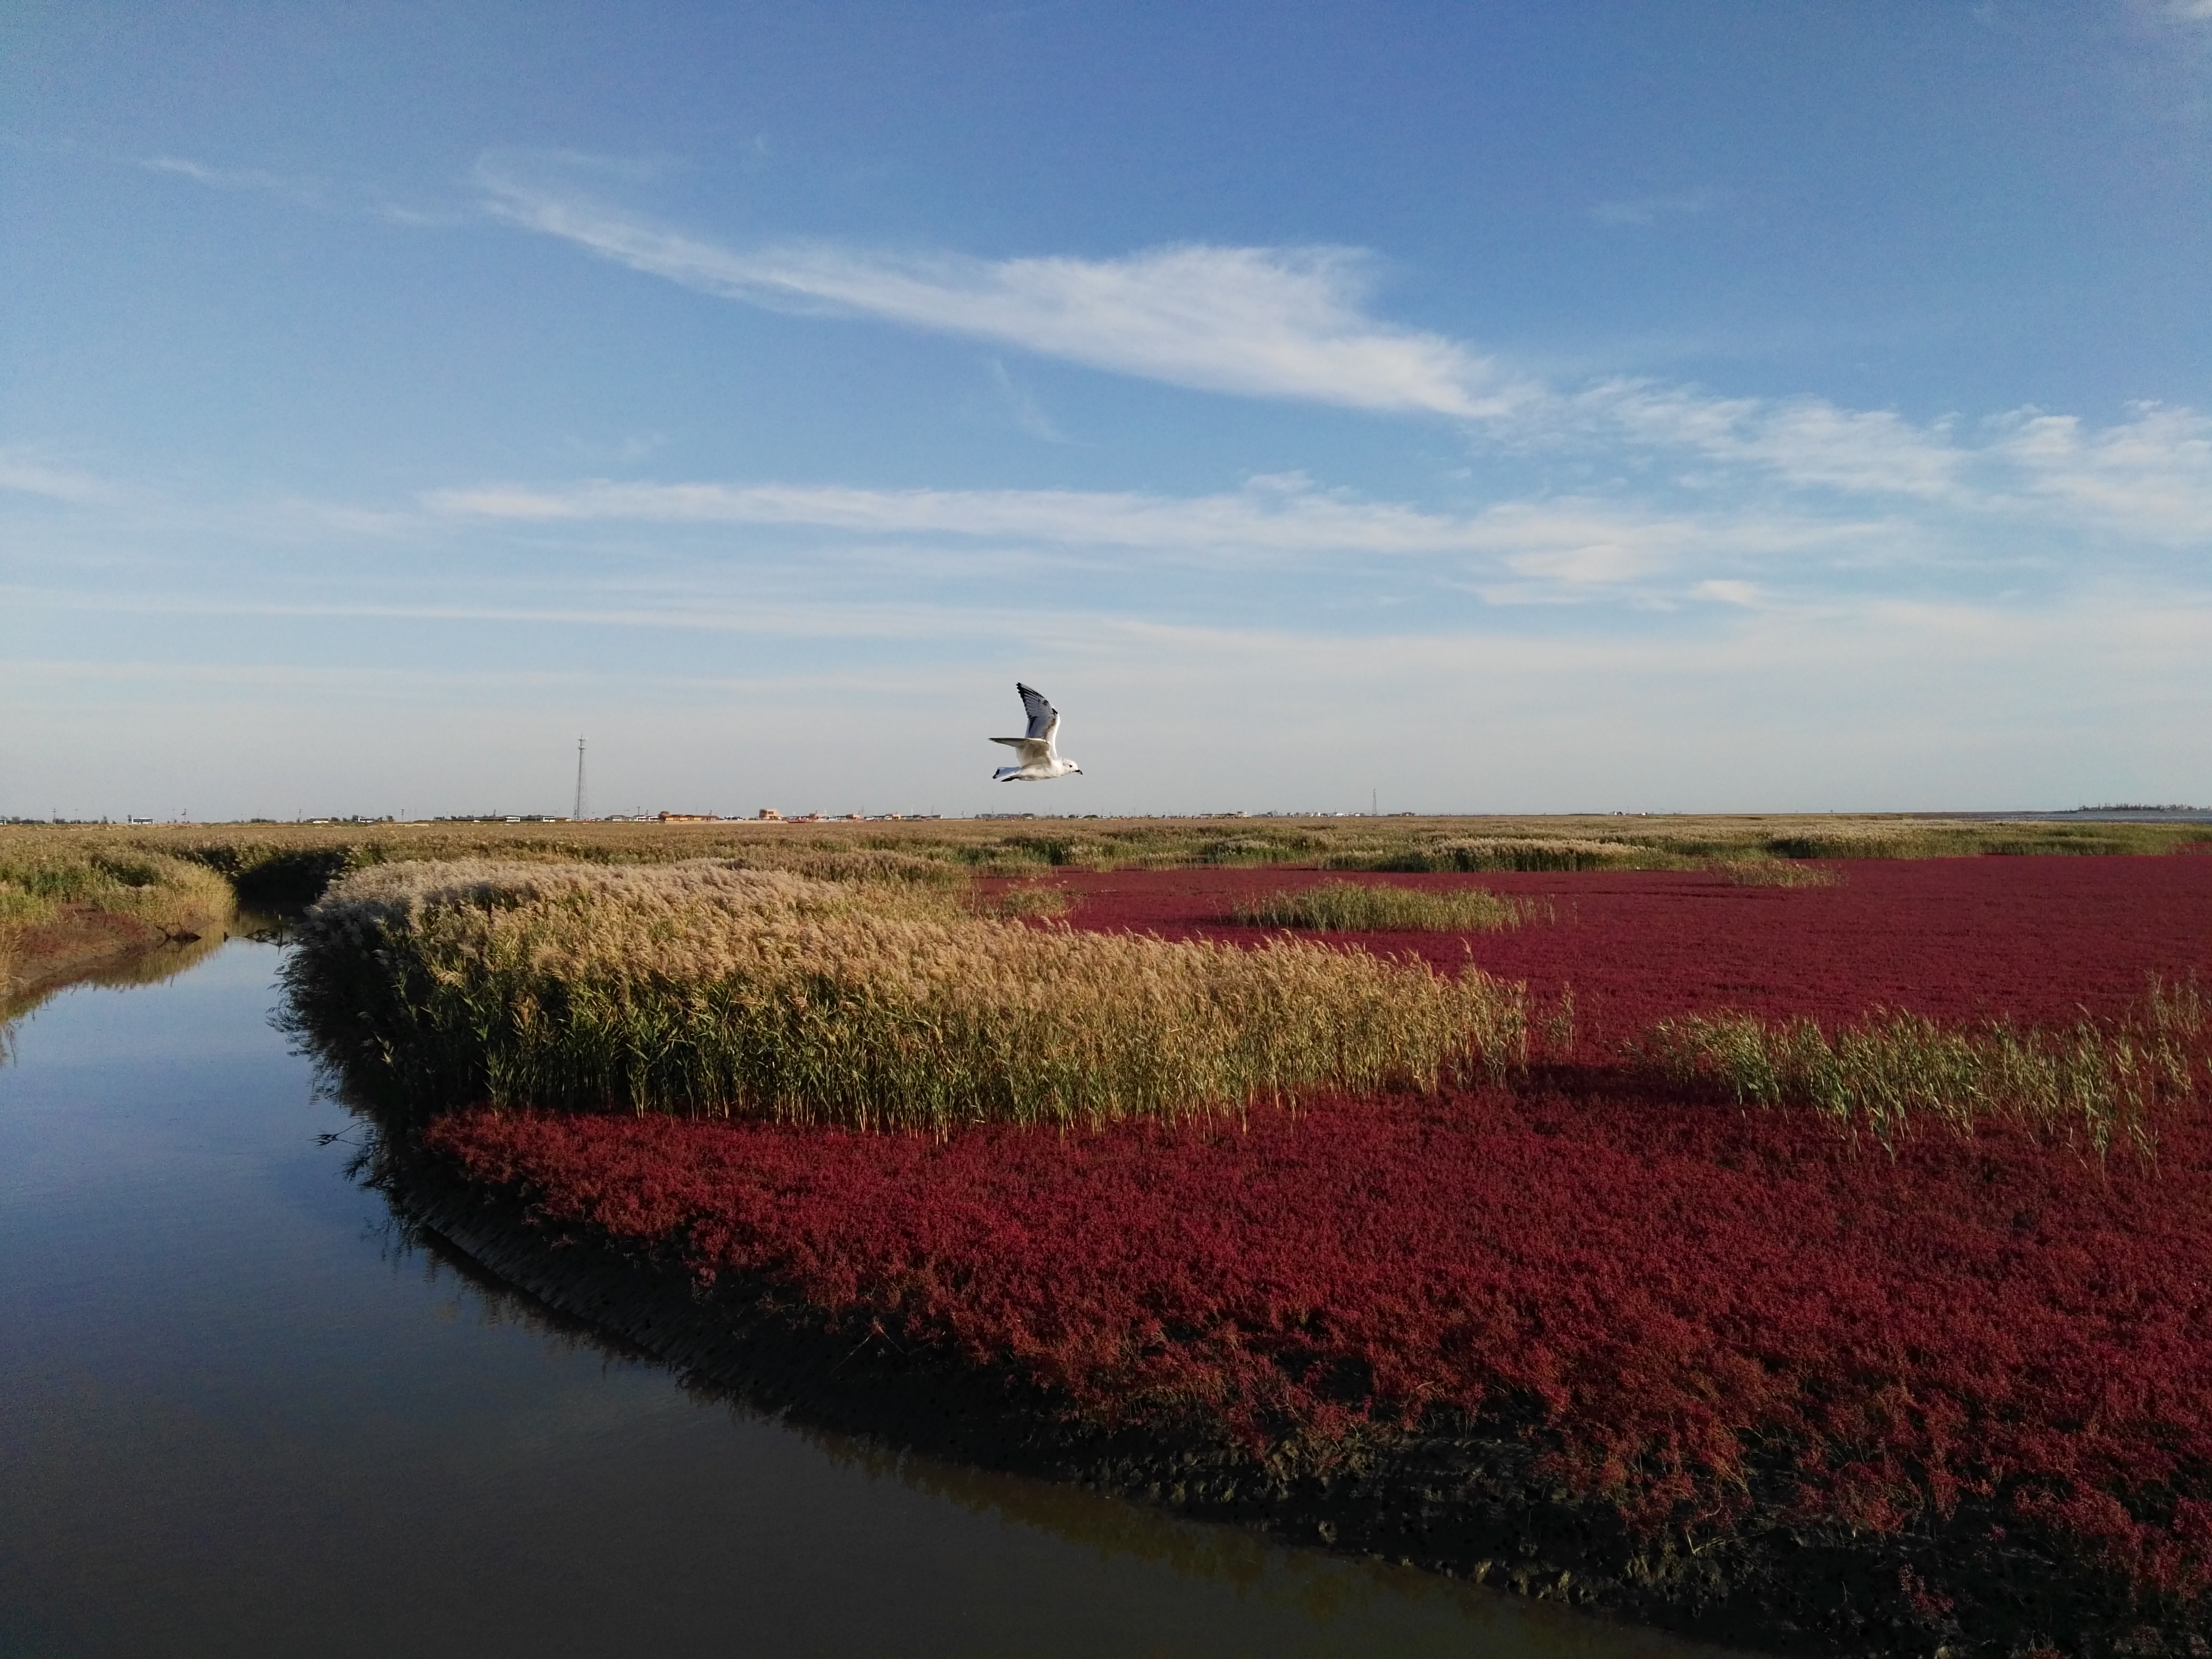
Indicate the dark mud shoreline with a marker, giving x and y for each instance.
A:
(98, 947)
(1465, 1500)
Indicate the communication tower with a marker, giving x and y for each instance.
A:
(580, 780)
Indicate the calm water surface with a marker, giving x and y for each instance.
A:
(240, 1415)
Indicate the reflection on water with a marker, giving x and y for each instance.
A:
(147, 967)
(152, 965)
(249, 1412)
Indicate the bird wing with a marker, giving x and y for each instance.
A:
(1044, 718)
(1032, 750)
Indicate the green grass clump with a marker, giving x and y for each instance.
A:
(2094, 1083)
(705, 988)
(1350, 906)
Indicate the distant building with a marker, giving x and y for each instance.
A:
(769, 815)
(690, 817)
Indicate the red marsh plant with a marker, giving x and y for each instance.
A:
(1676, 1306)
(703, 988)
(1959, 940)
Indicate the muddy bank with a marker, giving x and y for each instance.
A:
(1470, 1500)
(84, 942)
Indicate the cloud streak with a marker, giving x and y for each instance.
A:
(1642, 210)
(1571, 539)
(1272, 322)
(23, 473)
(306, 192)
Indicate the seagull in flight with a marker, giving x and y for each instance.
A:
(1040, 760)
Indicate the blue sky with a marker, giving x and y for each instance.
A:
(1752, 406)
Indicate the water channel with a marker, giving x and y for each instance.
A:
(242, 1413)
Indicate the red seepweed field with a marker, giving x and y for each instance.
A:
(1696, 1312)
(1960, 938)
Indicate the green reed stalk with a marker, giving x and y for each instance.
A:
(1348, 906)
(2091, 1081)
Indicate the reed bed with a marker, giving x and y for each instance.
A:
(706, 989)
(1350, 906)
(1506, 853)
(2094, 1082)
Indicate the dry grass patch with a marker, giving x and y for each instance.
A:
(1778, 872)
(705, 988)
(1025, 898)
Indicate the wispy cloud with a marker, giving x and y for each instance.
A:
(1027, 413)
(1571, 539)
(2148, 477)
(1643, 209)
(1549, 551)
(790, 621)
(1805, 441)
(1283, 515)
(1278, 322)
(2152, 474)
(369, 200)
(23, 472)
(310, 193)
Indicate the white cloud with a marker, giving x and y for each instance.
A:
(306, 191)
(1805, 441)
(2152, 474)
(815, 621)
(1728, 592)
(1268, 517)
(1027, 414)
(1642, 210)
(1579, 540)
(24, 474)
(1275, 322)
(372, 201)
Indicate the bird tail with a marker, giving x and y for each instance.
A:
(1004, 772)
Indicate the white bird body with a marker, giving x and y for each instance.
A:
(1041, 760)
